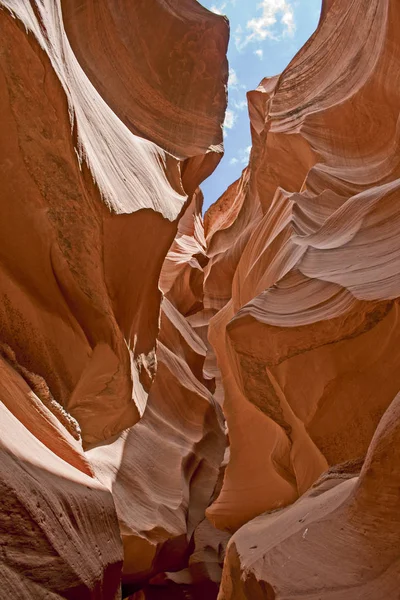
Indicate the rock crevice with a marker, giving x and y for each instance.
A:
(197, 408)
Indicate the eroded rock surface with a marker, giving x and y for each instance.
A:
(184, 400)
(305, 248)
(303, 279)
(104, 139)
(339, 540)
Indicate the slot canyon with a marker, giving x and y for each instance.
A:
(197, 406)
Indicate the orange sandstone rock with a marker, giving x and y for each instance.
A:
(130, 328)
(304, 269)
(94, 182)
(339, 540)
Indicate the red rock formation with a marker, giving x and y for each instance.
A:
(312, 265)
(105, 136)
(50, 505)
(130, 329)
(163, 471)
(306, 333)
(339, 540)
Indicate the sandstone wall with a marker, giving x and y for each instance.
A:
(197, 408)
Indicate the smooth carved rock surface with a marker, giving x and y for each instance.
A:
(104, 139)
(185, 400)
(303, 279)
(305, 246)
(338, 541)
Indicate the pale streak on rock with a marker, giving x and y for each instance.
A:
(281, 309)
(306, 332)
(125, 167)
(90, 200)
(342, 522)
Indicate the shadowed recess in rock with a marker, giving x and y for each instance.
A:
(197, 408)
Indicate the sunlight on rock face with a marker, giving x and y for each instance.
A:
(264, 38)
(193, 407)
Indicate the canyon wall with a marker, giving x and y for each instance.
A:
(105, 138)
(303, 280)
(197, 409)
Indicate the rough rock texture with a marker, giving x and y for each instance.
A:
(338, 541)
(104, 139)
(181, 400)
(303, 279)
(304, 267)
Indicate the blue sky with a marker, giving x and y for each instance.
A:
(265, 35)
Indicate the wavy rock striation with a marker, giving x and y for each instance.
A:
(303, 279)
(184, 400)
(105, 138)
(339, 540)
(305, 245)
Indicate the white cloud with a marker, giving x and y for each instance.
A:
(273, 14)
(218, 10)
(242, 157)
(259, 53)
(233, 80)
(230, 119)
(240, 105)
(245, 155)
(288, 21)
(238, 36)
